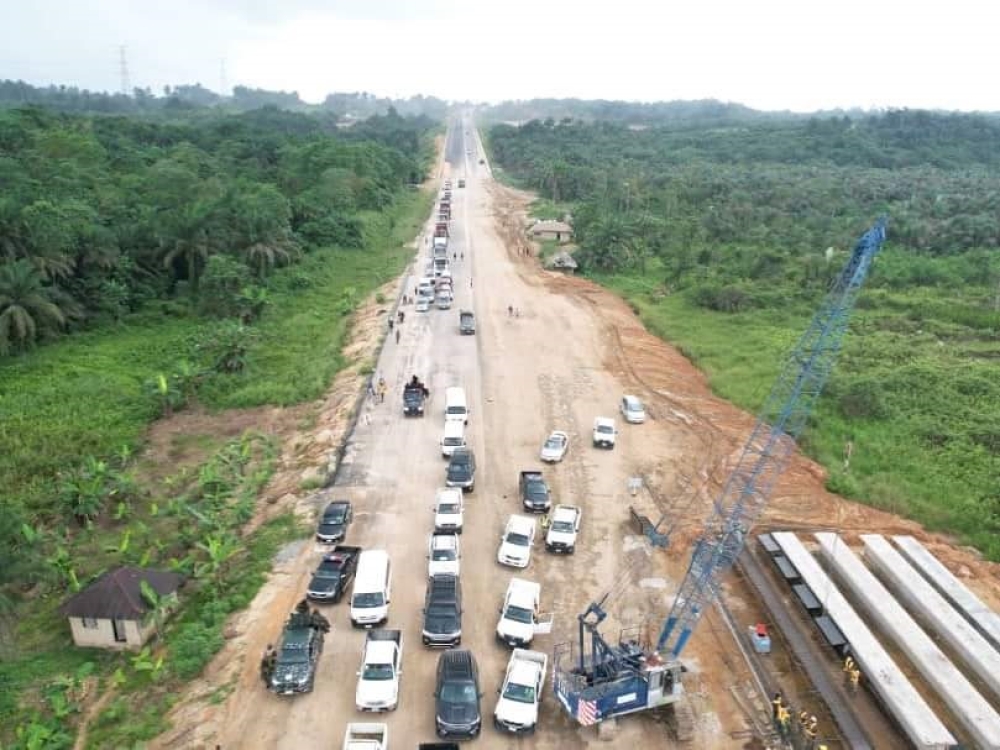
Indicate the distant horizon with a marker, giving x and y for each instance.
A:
(160, 94)
(769, 55)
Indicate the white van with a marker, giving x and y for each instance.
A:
(372, 589)
(455, 406)
(454, 437)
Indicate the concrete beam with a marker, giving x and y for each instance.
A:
(974, 712)
(928, 605)
(896, 692)
(984, 618)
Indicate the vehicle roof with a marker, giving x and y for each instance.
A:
(454, 428)
(336, 505)
(379, 651)
(524, 672)
(565, 513)
(444, 541)
(448, 495)
(521, 524)
(457, 663)
(523, 593)
(632, 400)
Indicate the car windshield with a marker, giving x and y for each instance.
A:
(518, 614)
(519, 693)
(520, 540)
(448, 509)
(459, 692)
(456, 410)
(453, 441)
(297, 655)
(368, 600)
(553, 442)
(443, 554)
(334, 516)
(563, 526)
(377, 672)
(441, 611)
(328, 573)
(605, 428)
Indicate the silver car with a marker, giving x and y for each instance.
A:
(632, 410)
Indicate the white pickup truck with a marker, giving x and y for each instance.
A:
(520, 621)
(364, 736)
(381, 666)
(563, 528)
(517, 707)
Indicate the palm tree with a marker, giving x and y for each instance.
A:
(25, 306)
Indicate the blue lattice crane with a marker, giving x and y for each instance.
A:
(600, 680)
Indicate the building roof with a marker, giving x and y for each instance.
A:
(117, 594)
(550, 225)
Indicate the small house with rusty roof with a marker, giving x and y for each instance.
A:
(113, 613)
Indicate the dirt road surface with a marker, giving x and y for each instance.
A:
(568, 357)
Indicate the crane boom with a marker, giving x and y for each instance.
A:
(771, 442)
(605, 680)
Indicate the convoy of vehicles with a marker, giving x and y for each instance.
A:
(381, 667)
(457, 691)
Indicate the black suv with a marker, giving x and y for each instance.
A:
(456, 696)
(462, 469)
(534, 492)
(443, 611)
(336, 518)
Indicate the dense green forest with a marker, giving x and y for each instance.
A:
(725, 239)
(148, 265)
(190, 97)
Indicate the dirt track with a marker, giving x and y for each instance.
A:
(569, 356)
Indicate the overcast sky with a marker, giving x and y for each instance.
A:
(769, 54)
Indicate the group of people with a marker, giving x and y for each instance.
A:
(806, 726)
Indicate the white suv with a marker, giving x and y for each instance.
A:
(448, 510)
(444, 555)
(604, 432)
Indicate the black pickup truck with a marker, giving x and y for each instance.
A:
(335, 572)
(301, 645)
(414, 395)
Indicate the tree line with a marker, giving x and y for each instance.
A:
(101, 214)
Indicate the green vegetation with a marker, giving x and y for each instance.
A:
(725, 240)
(145, 267)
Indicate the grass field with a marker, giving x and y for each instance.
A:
(915, 392)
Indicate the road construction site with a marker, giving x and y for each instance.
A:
(914, 613)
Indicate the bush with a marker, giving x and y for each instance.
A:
(193, 646)
(219, 293)
(728, 298)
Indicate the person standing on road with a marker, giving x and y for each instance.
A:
(397, 335)
(510, 311)
(381, 391)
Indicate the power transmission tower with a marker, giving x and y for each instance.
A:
(123, 71)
